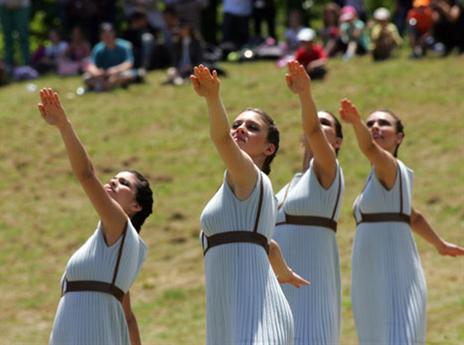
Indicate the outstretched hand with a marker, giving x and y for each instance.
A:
(298, 80)
(50, 108)
(205, 83)
(450, 249)
(292, 278)
(348, 111)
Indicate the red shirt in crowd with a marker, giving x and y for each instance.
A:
(305, 56)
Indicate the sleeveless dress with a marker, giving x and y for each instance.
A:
(244, 302)
(312, 252)
(388, 288)
(96, 318)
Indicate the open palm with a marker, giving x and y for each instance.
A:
(297, 78)
(50, 107)
(348, 111)
(205, 83)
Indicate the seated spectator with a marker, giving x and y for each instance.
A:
(46, 58)
(312, 56)
(187, 53)
(384, 35)
(448, 26)
(420, 23)
(76, 57)
(111, 62)
(353, 35)
(330, 31)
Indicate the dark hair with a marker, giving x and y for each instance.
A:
(398, 126)
(338, 127)
(144, 197)
(273, 137)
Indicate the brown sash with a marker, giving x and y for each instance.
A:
(239, 236)
(91, 285)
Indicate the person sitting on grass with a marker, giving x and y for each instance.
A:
(420, 27)
(353, 36)
(384, 35)
(110, 63)
(187, 52)
(311, 56)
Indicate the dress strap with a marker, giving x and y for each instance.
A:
(98, 286)
(285, 195)
(338, 193)
(260, 203)
(401, 189)
(121, 245)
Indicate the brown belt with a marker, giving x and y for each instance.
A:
(384, 217)
(310, 220)
(91, 285)
(235, 237)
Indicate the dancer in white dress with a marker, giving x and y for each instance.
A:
(244, 302)
(95, 304)
(309, 207)
(388, 286)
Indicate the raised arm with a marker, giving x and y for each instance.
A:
(421, 226)
(284, 274)
(384, 163)
(240, 167)
(325, 163)
(112, 215)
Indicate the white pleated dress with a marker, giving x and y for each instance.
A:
(97, 318)
(312, 252)
(388, 288)
(244, 302)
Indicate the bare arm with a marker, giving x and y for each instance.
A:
(316, 63)
(240, 167)
(384, 163)
(284, 274)
(122, 67)
(112, 215)
(325, 164)
(94, 71)
(132, 325)
(421, 226)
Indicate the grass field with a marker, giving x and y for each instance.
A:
(163, 132)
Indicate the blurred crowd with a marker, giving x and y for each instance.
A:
(92, 40)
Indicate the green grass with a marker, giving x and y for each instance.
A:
(163, 132)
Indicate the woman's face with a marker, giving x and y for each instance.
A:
(328, 128)
(250, 132)
(382, 126)
(122, 188)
